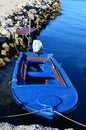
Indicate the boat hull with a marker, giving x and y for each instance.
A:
(41, 86)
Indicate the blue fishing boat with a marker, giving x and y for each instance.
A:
(41, 86)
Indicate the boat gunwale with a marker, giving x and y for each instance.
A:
(54, 68)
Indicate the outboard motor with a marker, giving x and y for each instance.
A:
(37, 46)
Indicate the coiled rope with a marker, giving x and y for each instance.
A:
(50, 109)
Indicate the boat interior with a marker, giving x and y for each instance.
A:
(39, 71)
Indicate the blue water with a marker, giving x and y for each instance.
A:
(65, 37)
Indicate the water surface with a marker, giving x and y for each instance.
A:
(65, 37)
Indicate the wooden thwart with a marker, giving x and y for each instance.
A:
(58, 75)
(55, 71)
(38, 58)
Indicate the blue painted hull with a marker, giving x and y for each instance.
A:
(40, 85)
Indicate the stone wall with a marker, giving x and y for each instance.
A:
(35, 14)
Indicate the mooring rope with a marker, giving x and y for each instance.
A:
(76, 122)
(12, 81)
(24, 114)
(50, 109)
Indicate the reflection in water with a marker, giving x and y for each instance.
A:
(5, 88)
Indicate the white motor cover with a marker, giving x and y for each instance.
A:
(37, 46)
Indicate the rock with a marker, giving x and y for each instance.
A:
(3, 52)
(6, 59)
(19, 41)
(25, 21)
(2, 62)
(5, 32)
(7, 126)
(9, 22)
(11, 45)
(31, 15)
(12, 31)
(5, 46)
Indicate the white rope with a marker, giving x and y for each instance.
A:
(18, 115)
(69, 118)
(12, 81)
